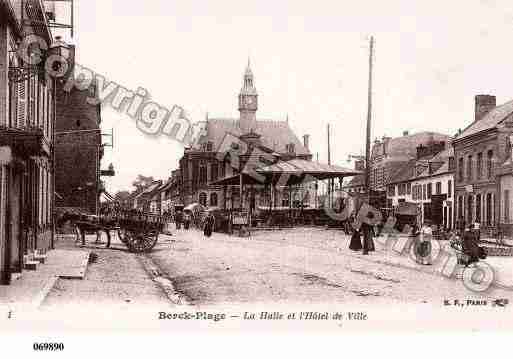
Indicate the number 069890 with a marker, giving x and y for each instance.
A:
(48, 346)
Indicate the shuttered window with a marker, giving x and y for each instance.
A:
(21, 113)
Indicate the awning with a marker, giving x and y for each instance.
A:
(303, 168)
(194, 207)
(291, 172)
(108, 196)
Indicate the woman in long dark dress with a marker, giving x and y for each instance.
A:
(186, 221)
(209, 225)
(368, 234)
(368, 242)
(356, 241)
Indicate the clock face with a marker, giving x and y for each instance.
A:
(249, 100)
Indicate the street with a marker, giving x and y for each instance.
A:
(301, 266)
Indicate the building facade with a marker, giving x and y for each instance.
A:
(427, 181)
(78, 150)
(388, 157)
(390, 154)
(505, 182)
(26, 139)
(480, 151)
(264, 142)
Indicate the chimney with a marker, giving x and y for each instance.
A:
(306, 141)
(421, 151)
(483, 105)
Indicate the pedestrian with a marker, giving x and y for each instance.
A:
(356, 240)
(178, 219)
(368, 233)
(423, 245)
(186, 221)
(470, 247)
(477, 230)
(208, 226)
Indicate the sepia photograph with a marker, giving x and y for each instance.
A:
(274, 166)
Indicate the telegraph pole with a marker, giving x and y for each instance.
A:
(369, 118)
(329, 163)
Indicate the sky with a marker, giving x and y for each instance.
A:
(309, 59)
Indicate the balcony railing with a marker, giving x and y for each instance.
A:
(26, 141)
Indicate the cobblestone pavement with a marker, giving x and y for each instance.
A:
(300, 266)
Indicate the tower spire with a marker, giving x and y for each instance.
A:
(248, 102)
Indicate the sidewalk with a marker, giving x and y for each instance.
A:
(116, 278)
(75, 275)
(32, 287)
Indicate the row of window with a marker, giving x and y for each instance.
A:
(264, 199)
(420, 191)
(474, 167)
(477, 208)
(209, 147)
(200, 172)
(203, 199)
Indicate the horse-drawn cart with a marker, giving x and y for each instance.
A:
(138, 231)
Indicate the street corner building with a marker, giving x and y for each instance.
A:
(484, 180)
(27, 110)
(268, 141)
(78, 148)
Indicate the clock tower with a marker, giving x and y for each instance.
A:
(248, 103)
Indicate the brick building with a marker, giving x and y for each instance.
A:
(481, 150)
(26, 140)
(388, 156)
(273, 140)
(78, 149)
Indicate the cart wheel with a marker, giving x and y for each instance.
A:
(143, 242)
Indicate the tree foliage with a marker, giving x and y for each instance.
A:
(142, 182)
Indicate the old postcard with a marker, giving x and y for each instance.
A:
(255, 166)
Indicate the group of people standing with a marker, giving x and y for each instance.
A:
(185, 218)
(182, 218)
